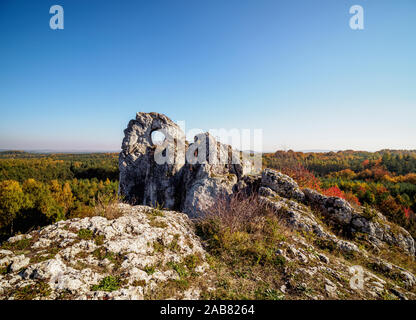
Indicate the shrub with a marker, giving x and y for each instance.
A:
(107, 206)
(368, 212)
(238, 213)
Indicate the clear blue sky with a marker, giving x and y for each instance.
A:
(293, 68)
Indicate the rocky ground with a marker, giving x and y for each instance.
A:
(144, 253)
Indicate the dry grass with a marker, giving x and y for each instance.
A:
(242, 237)
(107, 207)
(238, 213)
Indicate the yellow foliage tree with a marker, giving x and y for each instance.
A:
(11, 201)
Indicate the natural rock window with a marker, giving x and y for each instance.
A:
(157, 137)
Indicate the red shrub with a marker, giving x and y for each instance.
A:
(337, 192)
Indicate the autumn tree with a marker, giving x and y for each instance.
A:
(11, 201)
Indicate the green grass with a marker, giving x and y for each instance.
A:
(85, 234)
(269, 294)
(19, 245)
(108, 284)
(29, 292)
(99, 240)
(158, 224)
(150, 270)
(158, 246)
(192, 261)
(180, 268)
(174, 246)
(243, 253)
(101, 254)
(168, 289)
(153, 214)
(41, 258)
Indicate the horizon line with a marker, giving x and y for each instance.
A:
(84, 151)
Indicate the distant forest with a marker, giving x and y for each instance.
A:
(38, 189)
(385, 179)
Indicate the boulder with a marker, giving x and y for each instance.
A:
(282, 184)
(381, 230)
(336, 209)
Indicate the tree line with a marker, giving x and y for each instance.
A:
(385, 179)
(37, 189)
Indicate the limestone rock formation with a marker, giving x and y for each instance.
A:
(97, 258)
(336, 208)
(376, 226)
(282, 184)
(142, 179)
(193, 176)
(188, 178)
(147, 252)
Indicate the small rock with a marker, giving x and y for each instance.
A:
(5, 252)
(19, 237)
(18, 263)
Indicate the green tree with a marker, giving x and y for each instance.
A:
(11, 201)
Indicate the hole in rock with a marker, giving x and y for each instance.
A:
(157, 137)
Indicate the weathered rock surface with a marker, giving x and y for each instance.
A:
(282, 184)
(71, 258)
(337, 209)
(146, 249)
(142, 179)
(377, 227)
(192, 177)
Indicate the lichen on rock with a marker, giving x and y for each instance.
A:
(133, 251)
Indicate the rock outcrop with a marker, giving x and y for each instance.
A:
(147, 253)
(175, 174)
(374, 225)
(142, 179)
(130, 257)
(191, 177)
(282, 184)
